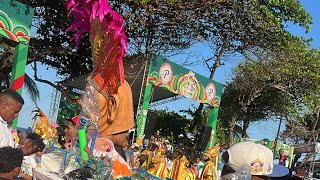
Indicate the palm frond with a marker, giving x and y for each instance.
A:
(32, 88)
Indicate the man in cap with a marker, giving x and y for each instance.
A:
(258, 157)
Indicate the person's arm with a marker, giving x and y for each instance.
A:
(25, 176)
(32, 146)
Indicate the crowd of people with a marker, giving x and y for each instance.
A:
(161, 159)
(158, 157)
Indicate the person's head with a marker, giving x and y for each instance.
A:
(198, 160)
(135, 149)
(10, 162)
(34, 137)
(90, 129)
(19, 133)
(113, 113)
(211, 153)
(281, 152)
(10, 105)
(258, 157)
(71, 129)
(153, 147)
(167, 142)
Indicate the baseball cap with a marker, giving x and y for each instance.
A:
(258, 157)
(75, 120)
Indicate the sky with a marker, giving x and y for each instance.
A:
(259, 130)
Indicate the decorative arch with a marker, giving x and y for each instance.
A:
(179, 80)
(15, 24)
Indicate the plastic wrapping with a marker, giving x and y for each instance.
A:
(244, 173)
(89, 103)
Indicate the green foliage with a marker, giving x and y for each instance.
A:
(167, 27)
(31, 88)
(238, 26)
(272, 84)
(173, 124)
(221, 133)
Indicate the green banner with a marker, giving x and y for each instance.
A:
(179, 80)
(15, 20)
(67, 108)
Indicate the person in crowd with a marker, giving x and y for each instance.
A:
(192, 170)
(90, 131)
(71, 131)
(134, 160)
(10, 162)
(209, 169)
(169, 160)
(179, 167)
(61, 136)
(31, 161)
(10, 105)
(282, 157)
(128, 152)
(20, 136)
(199, 166)
(157, 165)
(113, 115)
(169, 147)
(157, 136)
(259, 159)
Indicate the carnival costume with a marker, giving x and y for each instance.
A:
(179, 168)
(158, 165)
(108, 44)
(209, 169)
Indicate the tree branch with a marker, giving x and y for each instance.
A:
(43, 80)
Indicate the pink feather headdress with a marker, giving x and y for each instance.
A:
(107, 37)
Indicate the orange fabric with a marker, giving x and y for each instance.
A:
(120, 170)
(158, 168)
(179, 169)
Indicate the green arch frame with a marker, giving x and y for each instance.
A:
(179, 80)
(15, 24)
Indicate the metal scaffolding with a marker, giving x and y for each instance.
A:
(54, 106)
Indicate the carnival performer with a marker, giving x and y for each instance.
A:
(158, 163)
(107, 100)
(134, 160)
(179, 167)
(209, 169)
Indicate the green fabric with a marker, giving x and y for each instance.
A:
(141, 120)
(68, 109)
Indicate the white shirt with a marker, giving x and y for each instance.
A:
(5, 134)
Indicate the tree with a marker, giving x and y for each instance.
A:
(173, 124)
(233, 28)
(271, 84)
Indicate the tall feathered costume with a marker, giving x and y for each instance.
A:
(107, 37)
(108, 44)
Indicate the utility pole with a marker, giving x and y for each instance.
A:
(277, 137)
